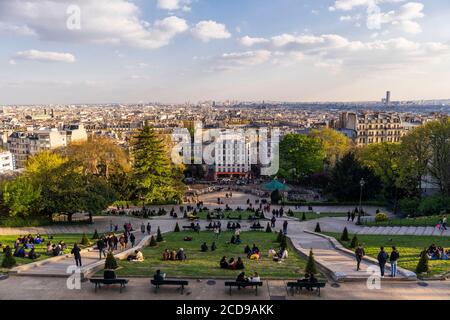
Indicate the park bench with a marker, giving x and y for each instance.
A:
(180, 283)
(189, 227)
(299, 285)
(240, 285)
(108, 282)
(257, 227)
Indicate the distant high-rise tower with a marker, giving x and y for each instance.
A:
(388, 97)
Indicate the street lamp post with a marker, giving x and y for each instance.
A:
(361, 183)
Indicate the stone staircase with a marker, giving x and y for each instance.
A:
(404, 231)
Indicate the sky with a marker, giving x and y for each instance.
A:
(177, 51)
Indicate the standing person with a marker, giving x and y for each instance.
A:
(132, 239)
(216, 233)
(393, 260)
(272, 221)
(143, 228)
(285, 226)
(149, 228)
(359, 254)
(444, 223)
(101, 248)
(382, 259)
(111, 226)
(353, 216)
(76, 254)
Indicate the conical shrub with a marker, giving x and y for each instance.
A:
(111, 262)
(84, 240)
(153, 242)
(423, 265)
(354, 242)
(304, 216)
(268, 228)
(317, 229)
(95, 236)
(280, 236)
(283, 243)
(344, 236)
(177, 228)
(311, 264)
(159, 237)
(8, 260)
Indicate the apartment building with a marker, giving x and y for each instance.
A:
(373, 128)
(27, 143)
(6, 162)
(232, 155)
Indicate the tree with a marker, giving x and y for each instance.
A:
(303, 216)
(354, 242)
(111, 262)
(95, 236)
(85, 241)
(346, 177)
(335, 144)
(159, 237)
(344, 236)
(20, 196)
(8, 260)
(423, 265)
(311, 264)
(157, 180)
(317, 229)
(300, 156)
(280, 236)
(153, 242)
(283, 243)
(177, 228)
(268, 228)
(276, 196)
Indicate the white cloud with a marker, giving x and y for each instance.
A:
(115, 22)
(248, 41)
(210, 30)
(239, 60)
(347, 5)
(44, 56)
(174, 5)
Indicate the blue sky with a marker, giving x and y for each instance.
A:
(190, 50)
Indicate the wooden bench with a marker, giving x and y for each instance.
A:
(180, 283)
(299, 285)
(257, 227)
(240, 285)
(108, 282)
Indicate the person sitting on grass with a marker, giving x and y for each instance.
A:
(204, 247)
(248, 251)
(137, 256)
(283, 254)
(233, 239)
(255, 278)
(232, 264)
(224, 263)
(241, 277)
(181, 255)
(272, 253)
(213, 246)
(32, 254)
(238, 240)
(173, 255)
(239, 264)
(166, 255)
(19, 252)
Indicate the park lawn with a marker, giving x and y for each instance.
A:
(232, 214)
(69, 239)
(430, 221)
(206, 264)
(314, 215)
(409, 247)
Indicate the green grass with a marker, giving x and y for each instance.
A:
(430, 221)
(408, 246)
(314, 215)
(232, 214)
(200, 264)
(69, 239)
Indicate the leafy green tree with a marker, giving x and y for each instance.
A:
(84, 240)
(20, 196)
(354, 242)
(276, 196)
(346, 177)
(423, 265)
(111, 262)
(153, 242)
(300, 156)
(311, 263)
(335, 144)
(8, 260)
(157, 180)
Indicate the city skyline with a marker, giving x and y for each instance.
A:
(175, 51)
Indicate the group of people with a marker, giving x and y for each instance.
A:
(437, 253)
(383, 258)
(243, 279)
(204, 247)
(174, 255)
(279, 256)
(252, 253)
(232, 264)
(233, 225)
(442, 224)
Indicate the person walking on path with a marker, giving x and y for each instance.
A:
(132, 240)
(101, 248)
(272, 222)
(76, 254)
(149, 228)
(285, 226)
(382, 259)
(143, 228)
(395, 255)
(359, 254)
(353, 216)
